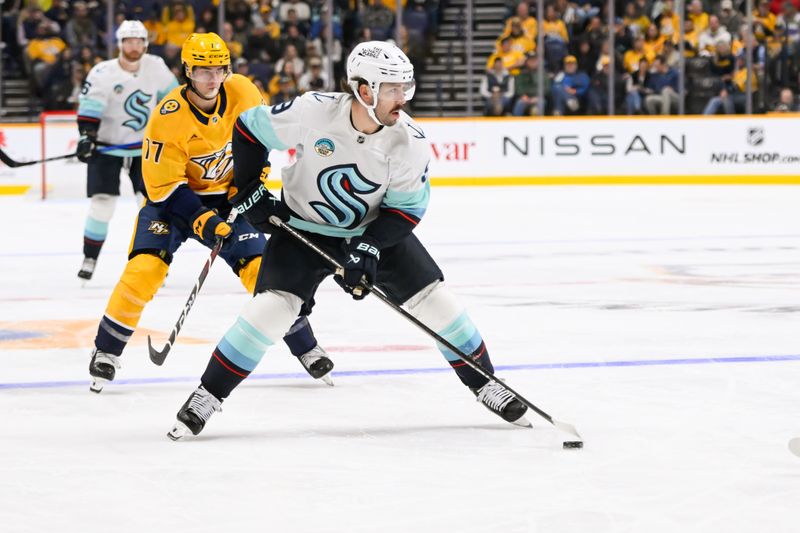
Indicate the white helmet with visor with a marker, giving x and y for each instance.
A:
(377, 63)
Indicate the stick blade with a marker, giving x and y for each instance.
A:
(156, 356)
(567, 428)
(8, 161)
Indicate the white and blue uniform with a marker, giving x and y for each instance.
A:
(114, 108)
(342, 178)
(122, 101)
(344, 185)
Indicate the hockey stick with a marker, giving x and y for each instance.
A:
(157, 356)
(567, 428)
(4, 157)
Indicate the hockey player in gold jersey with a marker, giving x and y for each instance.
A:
(188, 173)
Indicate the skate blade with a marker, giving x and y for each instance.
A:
(178, 431)
(97, 384)
(327, 379)
(522, 422)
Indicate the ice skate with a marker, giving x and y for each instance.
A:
(503, 403)
(102, 368)
(87, 269)
(195, 413)
(318, 364)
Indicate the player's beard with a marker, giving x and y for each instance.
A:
(386, 118)
(132, 57)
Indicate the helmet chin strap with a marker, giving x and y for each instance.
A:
(191, 88)
(370, 108)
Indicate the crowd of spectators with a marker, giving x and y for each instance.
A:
(646, 54)
(282, 46)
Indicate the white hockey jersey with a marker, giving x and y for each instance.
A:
(342, 177)
(122, 101)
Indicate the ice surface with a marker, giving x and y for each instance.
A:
(661, 321)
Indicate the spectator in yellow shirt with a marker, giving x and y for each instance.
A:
(529, 23)
(765, 17)
(43, 51)
(698, 17)
(653, 42)
(520, 40)
(691, 39)
(669, 22)
(632, 57)
(553, 27)
(180, 25)
(511, 59)
(635, 19)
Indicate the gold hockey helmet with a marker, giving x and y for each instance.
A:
(205, 50)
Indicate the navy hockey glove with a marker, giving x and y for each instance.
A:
(207, 225)
(87, 148)
(361, 262)
(257, 205)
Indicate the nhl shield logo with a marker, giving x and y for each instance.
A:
(755, 136)
(158, 227)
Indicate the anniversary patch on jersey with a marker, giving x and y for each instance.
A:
(324, 147)
(215, 165)
(157, 227)
(170, 106)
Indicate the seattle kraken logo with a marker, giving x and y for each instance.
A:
(136, 107)
(339, 186)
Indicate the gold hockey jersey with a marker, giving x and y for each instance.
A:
(182, 144)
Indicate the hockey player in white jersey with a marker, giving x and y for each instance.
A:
(358, 188)
(115, 103)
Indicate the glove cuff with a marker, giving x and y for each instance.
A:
(200, 221)
(367, 246)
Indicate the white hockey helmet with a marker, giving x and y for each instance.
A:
(376, 62)
(131, 29)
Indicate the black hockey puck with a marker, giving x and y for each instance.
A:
(570, 444)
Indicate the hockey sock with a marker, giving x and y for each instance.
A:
(264, 318)
(143, 276)
(300, 337)
(463, 334)
(436, 307)
(248, 274)
(101, 208)
(112, 336)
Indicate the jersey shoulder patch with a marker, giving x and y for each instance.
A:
(169, 106)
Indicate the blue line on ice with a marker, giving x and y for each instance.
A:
(404, 371)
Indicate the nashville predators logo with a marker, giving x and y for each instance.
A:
(158, 227)
(170, 106)
(216, 165)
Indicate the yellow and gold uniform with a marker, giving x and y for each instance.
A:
(184, 145)
(188, 172)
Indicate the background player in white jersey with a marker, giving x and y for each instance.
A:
(358, 188)
(115, 104)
